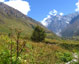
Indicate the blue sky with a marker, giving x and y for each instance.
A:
(39, 9)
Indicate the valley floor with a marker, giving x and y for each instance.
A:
(51, 51)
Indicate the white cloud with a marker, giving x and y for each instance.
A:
(54, 12)
(20, 5)
(44, 22)
(61, 14)
(2, 0)
(77, 4)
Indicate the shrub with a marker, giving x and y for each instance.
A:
(38, 34)
(65, 57)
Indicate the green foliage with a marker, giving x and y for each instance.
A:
(65, 57)
(56, 51)
(38, 34)
(70, 46)
(5, 57)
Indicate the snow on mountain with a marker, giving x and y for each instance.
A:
(57, 23)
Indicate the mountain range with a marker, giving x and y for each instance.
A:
(63, 25)
(67, 25)
(72, 29)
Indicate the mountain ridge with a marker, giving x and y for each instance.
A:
(58, 23)
(72, 29)
(12, 18)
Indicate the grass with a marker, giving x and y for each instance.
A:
(36, 52)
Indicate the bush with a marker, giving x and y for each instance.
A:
(65, 57)
(38, 34)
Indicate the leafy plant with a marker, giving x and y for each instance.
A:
(64, 56)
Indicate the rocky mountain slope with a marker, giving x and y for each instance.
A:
(72, 29)
(58, 23)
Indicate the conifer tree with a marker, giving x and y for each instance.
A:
(38, 34)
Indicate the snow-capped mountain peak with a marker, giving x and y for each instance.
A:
(57, 23)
